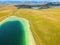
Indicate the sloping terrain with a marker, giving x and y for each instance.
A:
(6, 10)
(44, 24)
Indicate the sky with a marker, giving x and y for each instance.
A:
(34, 0)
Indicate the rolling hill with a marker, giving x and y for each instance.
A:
(44, 24)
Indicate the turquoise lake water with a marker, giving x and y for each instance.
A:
(12, 33)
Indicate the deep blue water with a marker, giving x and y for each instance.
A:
(12, 33)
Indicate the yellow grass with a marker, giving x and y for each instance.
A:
(44, 24)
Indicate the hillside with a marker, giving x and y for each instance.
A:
(44, 24)
(6, 10)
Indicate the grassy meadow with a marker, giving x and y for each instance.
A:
(44, 24)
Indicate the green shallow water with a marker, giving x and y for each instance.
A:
(12, 33)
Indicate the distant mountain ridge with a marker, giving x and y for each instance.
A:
(24, 4)
(27, 2)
